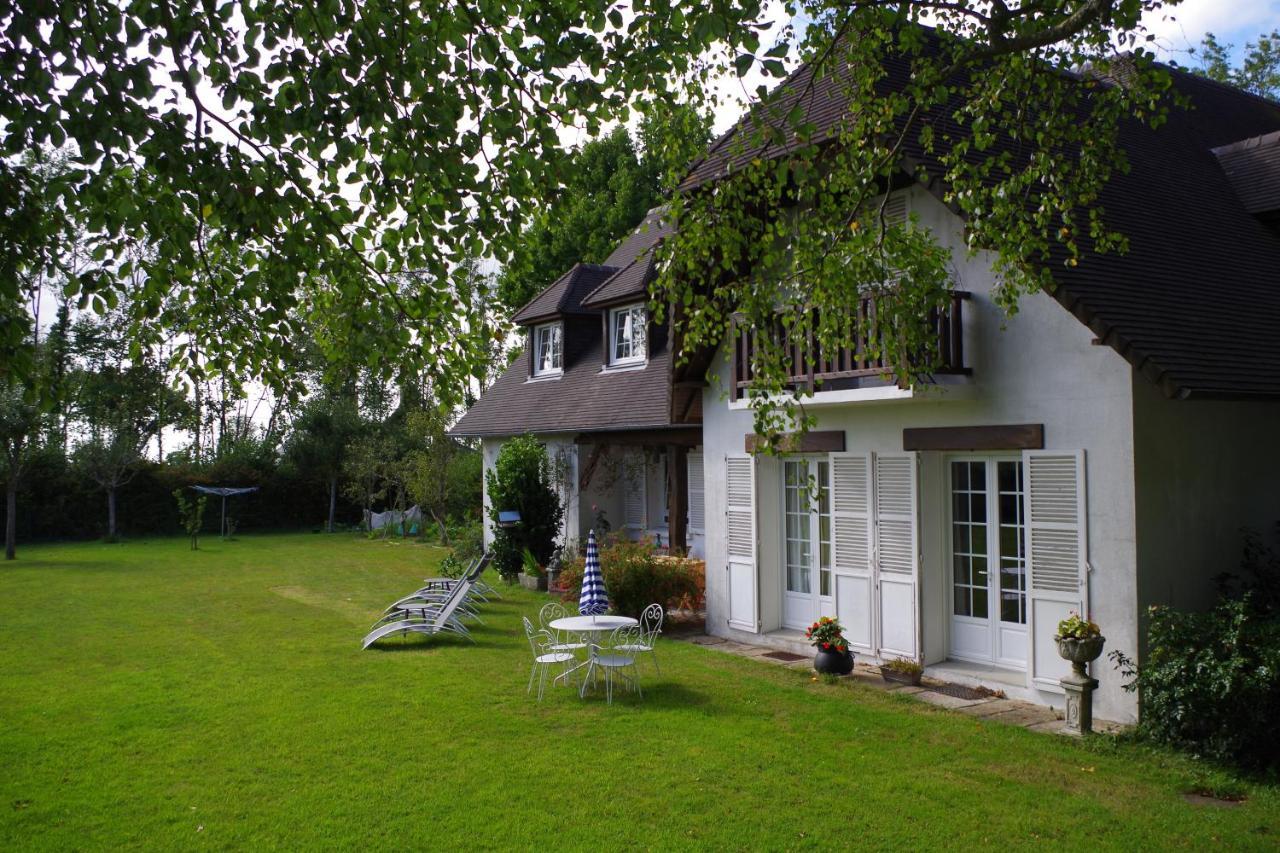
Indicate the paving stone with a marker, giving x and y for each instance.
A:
(1025, 715)
(995, 706)
(942, 700)
(1051, 726)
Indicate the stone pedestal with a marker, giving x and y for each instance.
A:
(1079, 687)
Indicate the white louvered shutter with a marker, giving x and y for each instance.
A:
(851, 539)
(897, 553)
(895, 209)
(1057, 554)
(633, 500)
(740, 540)
(697, 495)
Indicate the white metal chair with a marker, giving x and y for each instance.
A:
(541, 644)
(549, 613)
(647, 636)
(611, 658)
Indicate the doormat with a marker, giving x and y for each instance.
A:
(783, 656)
(960, 691)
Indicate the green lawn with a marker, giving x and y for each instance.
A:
(155, 697)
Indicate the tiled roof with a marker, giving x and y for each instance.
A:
(584, 399)
(1253, 168)
(647, 235)
(629, 283)
(1195, 302)
(565, 294)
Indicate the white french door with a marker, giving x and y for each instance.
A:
(806, 536)
(988, 561)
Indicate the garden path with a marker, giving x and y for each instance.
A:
(996, 708)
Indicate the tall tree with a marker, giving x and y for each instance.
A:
(319, 440)
(19, 421)
(330, 152)
(430, 465)
(1259, 68)
(609, 186)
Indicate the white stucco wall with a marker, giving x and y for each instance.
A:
(1205, 469)
(1041, 367)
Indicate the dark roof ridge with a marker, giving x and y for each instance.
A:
(1248, 142)
(1229, 87)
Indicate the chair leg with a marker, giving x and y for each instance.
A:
(533, 670)
(653, 653)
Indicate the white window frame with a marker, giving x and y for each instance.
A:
(557, 352)
(638, 343)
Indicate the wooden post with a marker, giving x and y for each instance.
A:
(677, 496)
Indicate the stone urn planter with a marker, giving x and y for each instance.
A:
(1080, 651)
(1079, 686)
(538, 583)
(833, 662)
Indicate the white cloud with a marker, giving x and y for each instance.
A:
(1180, 28)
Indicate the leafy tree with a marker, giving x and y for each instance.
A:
(326, 154)
(191, 512)
(318, 443)
(119, 407)
(1258, 72)
(19, 420)
(522, 480)
(363, 468)
(433, 471)
(609, 186)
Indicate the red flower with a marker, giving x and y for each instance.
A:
(826, 646)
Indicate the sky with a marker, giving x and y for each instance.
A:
(1232, 21)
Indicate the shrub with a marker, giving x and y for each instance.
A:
(468, 545)
(1210, 683)
(521, 479)
(634, 577)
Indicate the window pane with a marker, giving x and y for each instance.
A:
(979, 565)
(960, 507)
(978, 477)
(960, 566)
(979, 602)
(961, 603)
(960, 475)
(978, 506)
(1010, 609)
(961, 536)
(826, 584)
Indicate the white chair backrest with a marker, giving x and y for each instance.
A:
(456, 596)
(651, 620)
(550, 612)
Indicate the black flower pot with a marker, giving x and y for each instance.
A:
(833, 662)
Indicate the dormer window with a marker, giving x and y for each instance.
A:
(548, 350)
(627, 335)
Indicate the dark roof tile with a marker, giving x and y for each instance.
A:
(565, 294)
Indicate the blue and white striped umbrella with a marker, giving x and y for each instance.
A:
(594, 600)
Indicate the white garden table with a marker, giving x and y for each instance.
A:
(590, 627)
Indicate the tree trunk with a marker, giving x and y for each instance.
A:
(111, 513)
(11, 518)
(333, 500)
(444, 530)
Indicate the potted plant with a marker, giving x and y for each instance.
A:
(532, 575)
(1079, 641)
(833, 655)
(902, 671)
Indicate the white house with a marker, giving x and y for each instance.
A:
(1100, 451)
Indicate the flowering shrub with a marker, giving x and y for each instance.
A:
(827, 635)
(634, 577)
(1078, 628)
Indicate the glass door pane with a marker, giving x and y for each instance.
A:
(969, 538)
(1013, 543)
(824, 528)
(799, 543)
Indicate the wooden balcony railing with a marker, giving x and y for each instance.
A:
(847, 365)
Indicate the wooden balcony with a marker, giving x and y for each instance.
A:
(853, 366)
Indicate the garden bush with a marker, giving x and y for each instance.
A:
(635, 578)
(522, 480)
(1210, 683)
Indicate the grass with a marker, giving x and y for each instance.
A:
(155, 697)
